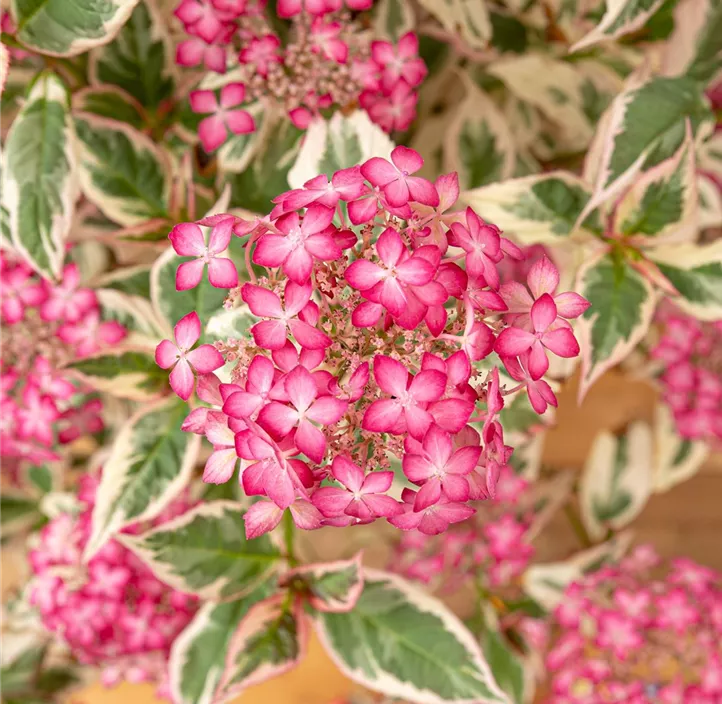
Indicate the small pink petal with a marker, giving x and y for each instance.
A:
(221, 236)
(262, 302)
(232, 94)
(381, 416)
(311, 441)
(182, 379)
(307, 336)
(187, 240)
(327, 410)
(240, 122)
(203, 101)
(269, 334)
(261, 517)
(205, 359)
(278, 419)
(543, 277)
(187, 330)
(390, 375)
(272, 250)
(220, 466)
(512, 342)
(189, 274)
(543, 313)
(222, 273)
(212, 133)
(166, 354)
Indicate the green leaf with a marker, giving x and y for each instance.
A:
(508, 33)
(41, 477)
(621, 17)
(134, 312)
(124, 372)
(623, 303)
(199, 652)
(404, 643)
(393, 18)
(18, 676)
(505, 665)
(68, 27)
(132, 280)
(205, 552)
(17, 508)
(137, 60)
(39, 183)
(150, 461)
(617, 480)
(695, 47)
(122, 171)
(109, 102)
(171, 305)
(332, 586)
(467, 18)
(270, 640)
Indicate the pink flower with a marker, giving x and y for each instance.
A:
(196, 51)
(264, 516)
(400, 62)
(213, 130)
(440, 469)
(363, 497)
(540, 393)
(432, 520)
(36, 416)
(260, 379)
(88, 334)
(676, 612)
(200, 18)
(394, 179)
(221, 464)
(482, 244)
(271, 334)
(324, 39)
(304, 241)
(618, 634)
(346, 184)
(547, 334)
(188, 241)
(20, 289)
(279, 419)
(67, 301)
(392, 112)
(410, 396)
(261, 53)
(183, 359)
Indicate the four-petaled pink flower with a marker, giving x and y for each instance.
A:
(188, 241)
(363, 497)
(184, 359)
(399, 62)
(302, 242)
(261, 53)
(547, 334)
(395, 179)
(213, 130)
(20, 289)
(541, 395)
(260, 379)
(432, 520)
(324, 39)
(482, 244)
(411, 395)
(89, 333)
(306, 408)
(67, 301)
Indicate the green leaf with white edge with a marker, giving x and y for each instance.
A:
(617, 480)
(131, 280)
(122, 171)
(205, 552)
(695, 46)
(545, 583)
(478, 144)
(404, 643)
(68, 27)
(239, 149)
(661, 207)
(676, 459)
(620, 17)
(199, 652)
(505, 665)
(134, 312)
(392, 19)
(536, 209)
(171, 305)
(139, 60)
(695, 271)
(648, 117)
(150, 462)
(622, 306)
(467, 18)
(235, 322)
(110, 102)
(17, 510)
(554, 87)
(270, 640)
(339, 143)
(332, 587)
(123, 371)
(39, 179)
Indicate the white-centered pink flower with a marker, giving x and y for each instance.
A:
(225, 115)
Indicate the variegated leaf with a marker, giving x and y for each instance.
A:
(546, 583)
(506, 665)
(133, 312)
(617, 479)
(403, 643)
(695, 272)
(554, 87)
(467, 18)
(69, 27)
(709, 184)
(392, 19)
(39, 182)
(620, 17)
(150, 461)
(139, 60)
(478, 144)
(661, 207)
(332, 587)
(110, 102)
(646, 121)
(535, 209)
(339, 143)
(623, 303)
(131, 280)
(199, 652)
(122, 371)
(122, 171)
(205, 552)
(239, 149)
(270, 640)
(676, 459)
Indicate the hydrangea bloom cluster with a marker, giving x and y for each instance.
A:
(113, 613)
(491, 550)
(327, 60)
(45, 325)
(691, 351)
(642, 632)
(376, 305)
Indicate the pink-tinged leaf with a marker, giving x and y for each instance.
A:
(332, 587)
(363, 274)
(391, 375)
(189, 274)
(205, 359)
(187, 240)
(182, 379)
(381, 416)
(270, 640)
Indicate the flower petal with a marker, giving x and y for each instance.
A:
(205, 359)
(327, 410)
(221, 236)
(189, 274)
(428, 385)
(363, 274)
(311, 441)
(166, 354)
(187, 330)
(182, 380)
(543, 312)
(390, 247)
(187, 240)
(381, 416)
(278, 419)
(543, 278)
(391, 376)
(512, 342)
(269, 334)
(261, 301)
(222, 273)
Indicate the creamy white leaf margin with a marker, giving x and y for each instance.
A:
(48, 89)
(118, 305)
(387, 682)
(467, 18)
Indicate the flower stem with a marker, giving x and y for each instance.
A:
(577, 526)
(289, 530)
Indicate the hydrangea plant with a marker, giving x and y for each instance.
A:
(272, 267)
